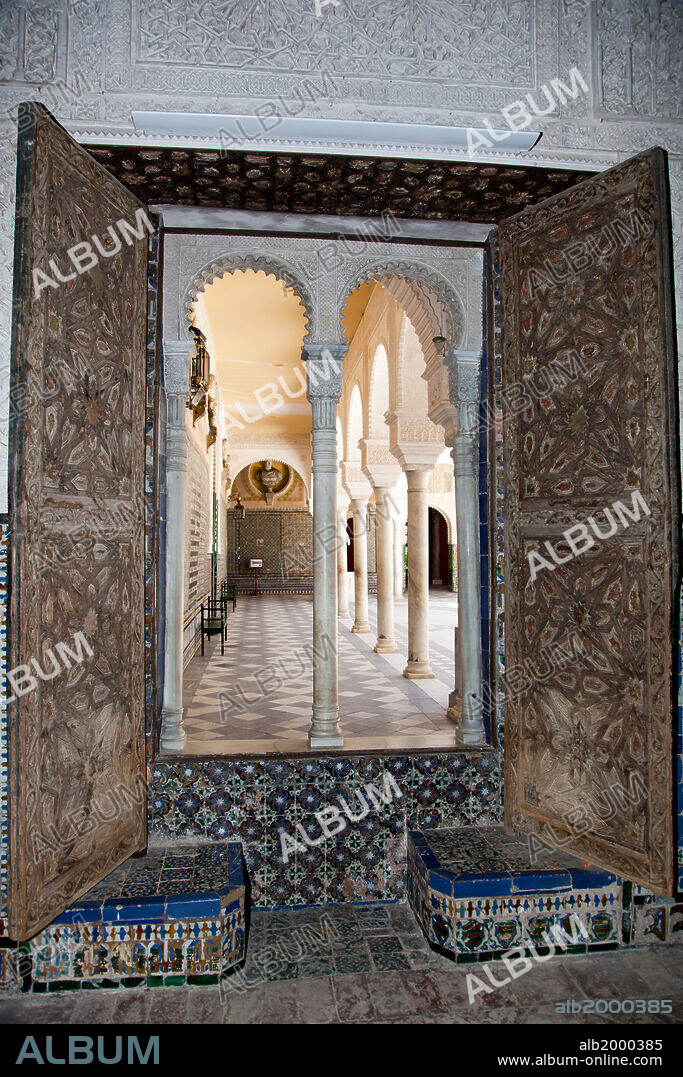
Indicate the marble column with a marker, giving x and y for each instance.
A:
(342, 570)
(384, 533)
(436, 549)
(359, 508)
(418, 666)
(399, 528)
(176, 380)
(323, 389)
(454, 403)
(467, 710)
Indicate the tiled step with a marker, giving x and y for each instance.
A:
(477, 891)
(175, 916)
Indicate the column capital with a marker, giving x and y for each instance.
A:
(464, 367)
(418, 479)
(176, 386)
(377, 463)
(414, 440)
(454, 389)
(323, 375)
(354, 481)
(383, 476)
(177, 366)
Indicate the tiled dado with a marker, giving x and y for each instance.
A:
(176, 916)
(255, 800)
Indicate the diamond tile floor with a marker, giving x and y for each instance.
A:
(257, 696)
(361, 964)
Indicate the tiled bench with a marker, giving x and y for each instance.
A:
(476, 894)
(176, 916)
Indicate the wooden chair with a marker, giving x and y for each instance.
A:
(214, 620)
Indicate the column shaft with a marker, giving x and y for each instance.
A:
(398, 558)
(418, 575)
(323, 389)
(468, 711)
(359, 508)
(384, 530)
(436, 549)
(172, 732)
(342, 572)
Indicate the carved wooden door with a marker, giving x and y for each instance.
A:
(588, 371)
(77, 451)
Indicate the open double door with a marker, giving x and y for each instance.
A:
(77, 458)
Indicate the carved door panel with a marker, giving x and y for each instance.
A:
(588, 372)
(77, 451)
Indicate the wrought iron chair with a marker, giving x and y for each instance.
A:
(214, 620)
(229, 593)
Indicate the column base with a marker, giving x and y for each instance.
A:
(417, 671)
(385, 646)
(343, 613)
(325, 731)
(319, 741)
(466, 737)
(172, 732)
(361, 627)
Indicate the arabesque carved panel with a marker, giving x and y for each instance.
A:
(588, 371)
(77, 754)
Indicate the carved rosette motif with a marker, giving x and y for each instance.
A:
(586, 730)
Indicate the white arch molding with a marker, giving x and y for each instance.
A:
(259, 263)
(355, 424)
(378, 402)
(449, 521)
(429, 300)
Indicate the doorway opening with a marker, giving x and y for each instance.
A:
(255, 320)
(442, 553)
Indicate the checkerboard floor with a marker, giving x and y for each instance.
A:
(257, 696)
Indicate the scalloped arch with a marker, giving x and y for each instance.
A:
(235, 263)
(428, 298)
